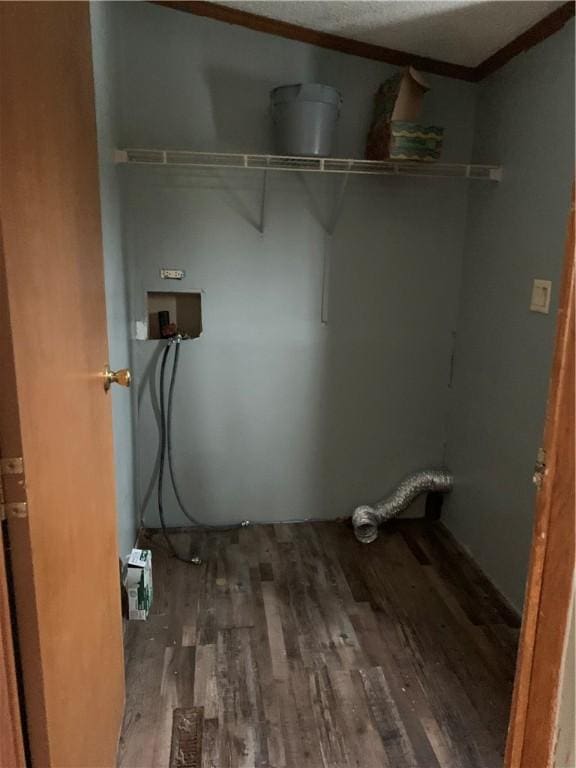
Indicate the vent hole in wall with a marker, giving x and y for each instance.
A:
(184, 312)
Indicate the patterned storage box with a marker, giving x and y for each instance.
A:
(395, 132)
(412, 141)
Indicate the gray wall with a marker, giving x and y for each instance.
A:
(104, 56)
(280, 417)
(503, 354)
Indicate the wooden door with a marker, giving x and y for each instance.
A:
(54, 414)
(549, 586)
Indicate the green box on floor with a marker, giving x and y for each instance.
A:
(138, 584)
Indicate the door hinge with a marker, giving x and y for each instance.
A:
(12, 466)
(11, 509)
(539, 468)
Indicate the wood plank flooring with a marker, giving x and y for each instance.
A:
(309, 650)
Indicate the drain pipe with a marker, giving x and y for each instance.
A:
(366, 519)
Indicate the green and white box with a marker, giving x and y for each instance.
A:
(138, 584)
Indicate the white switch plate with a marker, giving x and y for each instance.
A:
(540, 301)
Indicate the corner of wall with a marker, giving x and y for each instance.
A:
(515, 233)
(103, 57)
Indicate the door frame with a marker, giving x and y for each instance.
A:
(12, 753)
(11, 743)
(533, 717)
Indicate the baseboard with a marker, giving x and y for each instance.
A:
(513, 612)
(192, 528)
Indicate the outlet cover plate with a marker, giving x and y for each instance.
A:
(540, 301)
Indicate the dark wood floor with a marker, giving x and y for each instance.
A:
(310, 650)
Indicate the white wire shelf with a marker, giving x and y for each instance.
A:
(185, 158)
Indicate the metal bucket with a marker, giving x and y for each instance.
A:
(305, 118)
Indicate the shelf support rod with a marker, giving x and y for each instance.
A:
(326, 278)
(263, 201)
(337, 205)
(328, 242)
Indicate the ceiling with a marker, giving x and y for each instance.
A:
(462, 32)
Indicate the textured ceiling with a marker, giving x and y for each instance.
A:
(459, 31)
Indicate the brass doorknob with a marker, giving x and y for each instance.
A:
(122, 377)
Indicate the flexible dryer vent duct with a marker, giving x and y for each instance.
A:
(367, 519)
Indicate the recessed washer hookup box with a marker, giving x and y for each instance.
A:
(138, 584)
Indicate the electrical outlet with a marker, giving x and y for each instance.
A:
(540, 301)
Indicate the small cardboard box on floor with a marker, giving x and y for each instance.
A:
(138, 584)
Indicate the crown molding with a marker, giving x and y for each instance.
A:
(534, 35)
